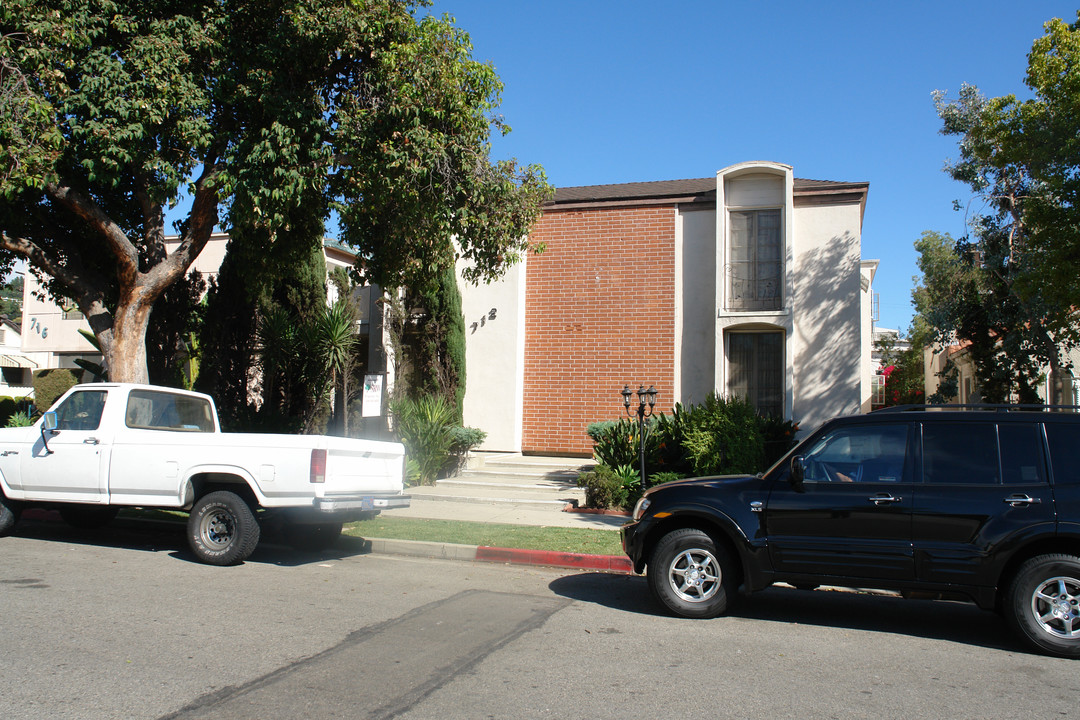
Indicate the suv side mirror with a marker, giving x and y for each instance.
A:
(798, 471)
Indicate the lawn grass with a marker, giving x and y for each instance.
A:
(525, 537)
(459, 532)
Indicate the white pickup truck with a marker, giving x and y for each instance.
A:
(106, 446)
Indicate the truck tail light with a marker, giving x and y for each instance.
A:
(318, 466)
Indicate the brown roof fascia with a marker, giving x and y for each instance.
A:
(699, 191)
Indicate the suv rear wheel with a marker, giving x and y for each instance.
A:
(692, 575)
(1044, 604)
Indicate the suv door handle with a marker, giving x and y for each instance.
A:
(1022, 500)
(884, 499)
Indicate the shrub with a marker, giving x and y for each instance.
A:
(424, 426)
(664, 477)
(462, 440)
(19, 419)
(721, 436)
(779, 437)
(603, 488)
(50, 384)
(8, 408)
(615, 442)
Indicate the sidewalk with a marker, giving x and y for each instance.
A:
(511, 489)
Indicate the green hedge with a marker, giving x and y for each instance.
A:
(719, 436)
(50, 384)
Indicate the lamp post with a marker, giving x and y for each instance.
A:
(645, 397)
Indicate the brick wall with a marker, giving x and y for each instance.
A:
(593, 323)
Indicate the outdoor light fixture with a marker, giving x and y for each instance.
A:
(646, 399)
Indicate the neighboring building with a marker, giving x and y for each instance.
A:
(899, 345)
(935, 359)
(749, 283)
(16, 366)
(53, 337)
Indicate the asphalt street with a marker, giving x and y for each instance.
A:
(124, 624)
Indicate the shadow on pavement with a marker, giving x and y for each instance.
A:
(159, 536)
(937, 620)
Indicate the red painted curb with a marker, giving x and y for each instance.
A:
(616, 563)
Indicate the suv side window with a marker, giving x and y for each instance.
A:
(1064, 440)
(960, 453)
(1021, 454)
(861, 453)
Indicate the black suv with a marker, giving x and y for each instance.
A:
(983, 504)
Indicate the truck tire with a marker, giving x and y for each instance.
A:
(9, 515)
(88, 517)
(313, 538)
(1043, 604)
(691, 575)
(222, 529)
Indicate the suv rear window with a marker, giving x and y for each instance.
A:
(1064, 440)
(982, 453)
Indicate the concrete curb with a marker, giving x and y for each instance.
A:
(450, 551)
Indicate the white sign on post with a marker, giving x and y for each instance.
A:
(371, 405)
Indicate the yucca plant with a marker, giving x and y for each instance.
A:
(425, 427)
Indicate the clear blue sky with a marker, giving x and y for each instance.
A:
(599, 91)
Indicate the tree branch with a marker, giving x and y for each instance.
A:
(126, 254)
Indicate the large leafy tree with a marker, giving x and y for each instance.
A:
(1010, 288)
(112, 110)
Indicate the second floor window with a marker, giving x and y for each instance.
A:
(754, 266)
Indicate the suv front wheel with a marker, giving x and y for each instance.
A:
(692, 575)
(1044, 604)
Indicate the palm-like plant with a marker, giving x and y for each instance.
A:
(333, 338)
(278, 348)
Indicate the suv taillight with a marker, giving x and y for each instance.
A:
(318, 466)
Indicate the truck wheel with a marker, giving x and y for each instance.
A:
(88, 517)
(1043, 604)
(313, 538)
(692, 575)
(222, 529)
(9, 515)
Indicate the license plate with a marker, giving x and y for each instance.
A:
(367, 503)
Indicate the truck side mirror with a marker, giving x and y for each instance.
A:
(798, 471)
(49, 424)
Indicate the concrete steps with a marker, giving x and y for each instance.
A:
(541, 482)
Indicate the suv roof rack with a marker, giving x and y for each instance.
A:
(985, 407)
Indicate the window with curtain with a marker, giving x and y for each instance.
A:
(756, 370)
(754, 267)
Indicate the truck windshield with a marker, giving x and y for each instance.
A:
(154, 410)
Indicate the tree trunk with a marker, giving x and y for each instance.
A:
(124, 345)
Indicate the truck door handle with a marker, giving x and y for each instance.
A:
(9, 452)
(884, 499)
(1022, 500)
(91, 441)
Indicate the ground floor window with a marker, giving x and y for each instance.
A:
(756, 370)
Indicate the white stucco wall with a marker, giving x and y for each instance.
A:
(827, 339)
(867, 366)
(695, 287)
(495, 358)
